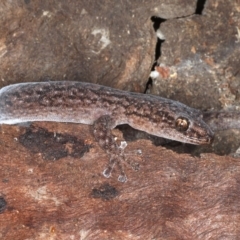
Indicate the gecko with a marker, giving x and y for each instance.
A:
(104, 108)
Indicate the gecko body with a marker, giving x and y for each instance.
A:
(104, 108)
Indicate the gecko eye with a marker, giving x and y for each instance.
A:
(182, 124)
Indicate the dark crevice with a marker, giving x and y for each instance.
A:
(156, 25)
(148, 84)
(200, 7)
(157, 22)
(158, 48)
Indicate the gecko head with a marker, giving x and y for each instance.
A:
(184, 124)
(171, 120)
(192, 129)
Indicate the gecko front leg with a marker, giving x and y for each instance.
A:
(102, 132)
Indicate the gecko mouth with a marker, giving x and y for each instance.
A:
(195, 140)
(202, 140)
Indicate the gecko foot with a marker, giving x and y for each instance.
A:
(107, 171)
(106, 140)
(119, 161)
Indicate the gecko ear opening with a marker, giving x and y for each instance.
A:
(182, 124)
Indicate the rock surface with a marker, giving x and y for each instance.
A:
(51, 183)
(172, 196)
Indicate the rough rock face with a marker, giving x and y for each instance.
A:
(201, 53)
(61, 194)
(51, 183)
(105, 42)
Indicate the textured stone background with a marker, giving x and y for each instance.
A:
(107, 42)
(51, 186)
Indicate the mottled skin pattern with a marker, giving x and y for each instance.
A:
(104, 108)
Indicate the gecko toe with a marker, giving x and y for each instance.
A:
(122, 178)
(107, 172)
